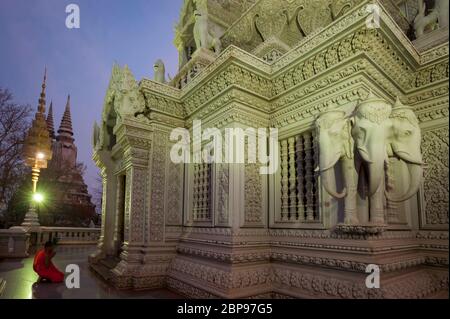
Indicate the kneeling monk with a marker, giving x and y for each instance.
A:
(43, 265)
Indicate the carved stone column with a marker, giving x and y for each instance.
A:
(292, 180)
(284, 181)
(106, 247)
(309, 161)
(300, 179)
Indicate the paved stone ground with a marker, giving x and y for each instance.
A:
(21, 280)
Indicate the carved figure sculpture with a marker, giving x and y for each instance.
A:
(159, 71)
(202, 36)
(126, 97)
(336, 146)
(371, 130)
(438, 15)
(363, 144)
(405, 145)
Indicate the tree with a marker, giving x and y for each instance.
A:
(14, 124)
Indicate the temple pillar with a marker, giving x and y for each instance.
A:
(109, 181)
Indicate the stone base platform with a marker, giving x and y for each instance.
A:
(201, 278)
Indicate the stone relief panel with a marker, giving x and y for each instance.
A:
(435, 189)
(127, 209)
(174, 193)
(138, 181)
(253, 195)
(287, 20)
(222, 189)
(157, 180)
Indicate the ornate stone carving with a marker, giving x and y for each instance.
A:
(159, 70)
(336, 145)
(253, 195)
(123, 93)
(398, 135)
(436, 190)
(157, 180)
(222, 183)
(288, 20)
(439, 15)
(174, 193)
(285, 73)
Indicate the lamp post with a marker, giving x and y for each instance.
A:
(36, 153)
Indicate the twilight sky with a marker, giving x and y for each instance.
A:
(33, 35)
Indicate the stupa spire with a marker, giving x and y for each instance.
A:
(65, 128)
(50, 123)
(41, 104)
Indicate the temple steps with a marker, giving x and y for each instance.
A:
(103, 268)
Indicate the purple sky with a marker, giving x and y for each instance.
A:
(79, 61)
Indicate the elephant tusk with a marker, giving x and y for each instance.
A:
(416, 176)
(328, 180)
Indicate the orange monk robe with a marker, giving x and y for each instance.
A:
(51, 272)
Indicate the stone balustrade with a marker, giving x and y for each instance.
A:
(14, 243)
(69, 235)
(200, 59)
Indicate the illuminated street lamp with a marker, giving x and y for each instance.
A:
(38, 198)
(36, 153)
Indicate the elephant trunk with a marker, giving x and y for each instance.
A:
(376, 175)
(374, 154)
(415, 178)
(329, 183)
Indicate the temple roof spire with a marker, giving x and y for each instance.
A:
(50, 123)
(65, 128)
(41, 105)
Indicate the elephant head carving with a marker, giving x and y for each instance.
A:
(371, 131)
(363, 143)
(380, 131)
(159, 71)
(405, 145)
(335, 142)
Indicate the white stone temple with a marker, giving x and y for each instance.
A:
(358, 91)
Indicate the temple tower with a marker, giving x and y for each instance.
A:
(64, 148)
(69, 201)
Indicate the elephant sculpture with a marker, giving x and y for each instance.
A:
(405, 145)
(439, 15)
(371, 131)
(363, 143)
(336, 146)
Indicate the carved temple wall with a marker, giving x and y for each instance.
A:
(224, 230)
